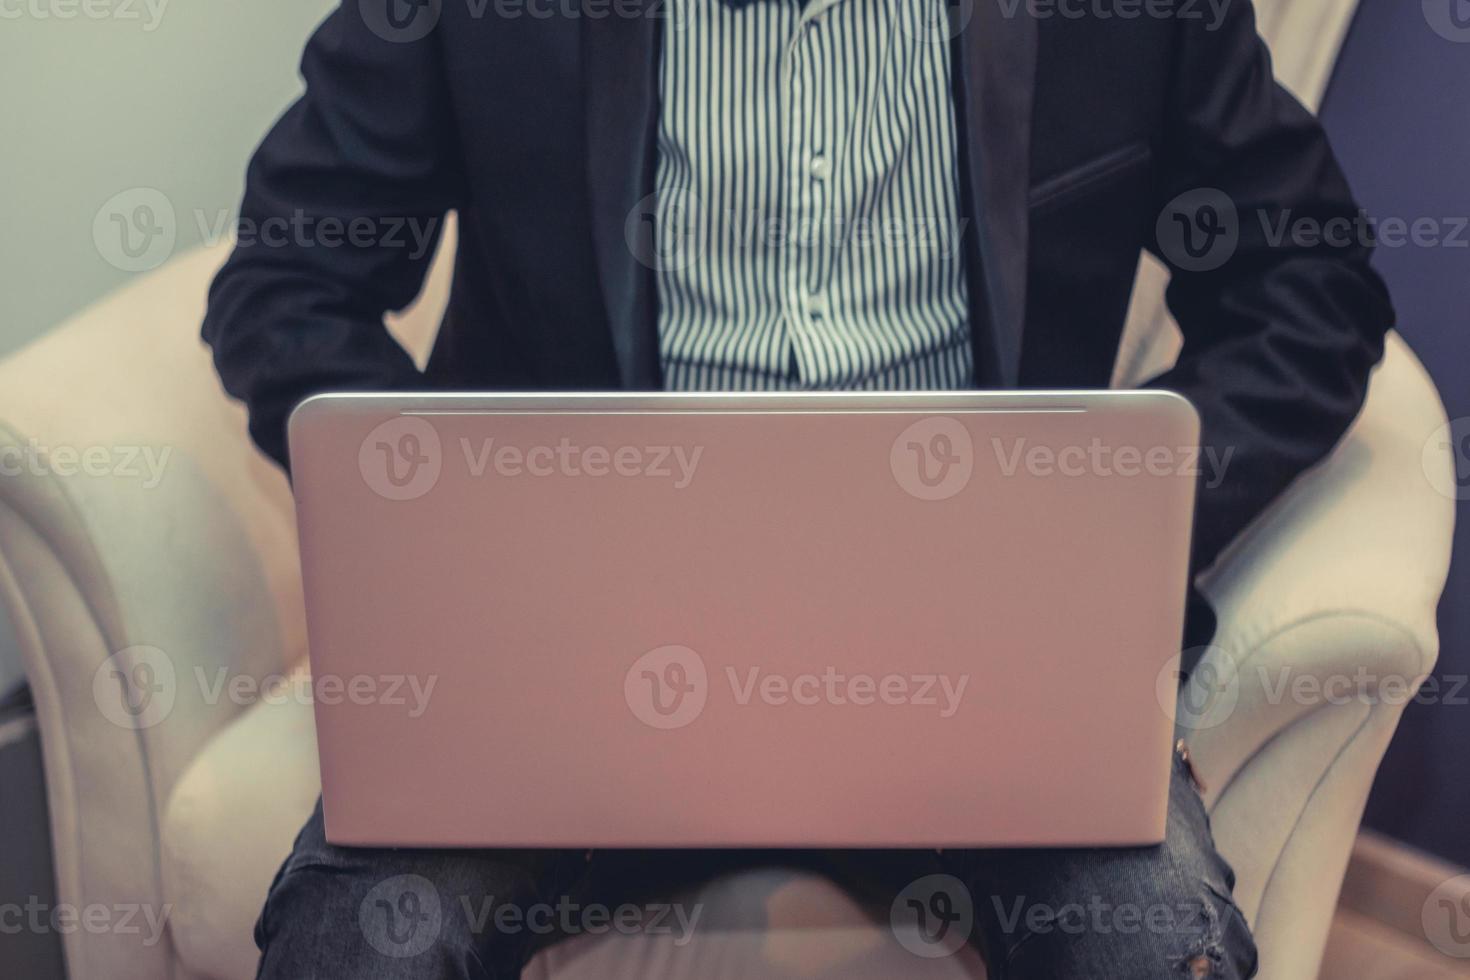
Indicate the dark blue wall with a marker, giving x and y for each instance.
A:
(1399, 114)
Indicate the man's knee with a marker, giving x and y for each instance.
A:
(403, 913)
(317, 918)
(1155, 929)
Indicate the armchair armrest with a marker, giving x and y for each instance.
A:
(1326, 629)
(1349, 566)
(134, 515)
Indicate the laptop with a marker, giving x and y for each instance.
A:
(745, 620)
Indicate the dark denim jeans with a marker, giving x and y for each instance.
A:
(1103, 914)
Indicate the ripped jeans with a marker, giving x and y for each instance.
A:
(1146, 913)
(1143, 913)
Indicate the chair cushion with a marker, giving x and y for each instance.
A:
(234, 814)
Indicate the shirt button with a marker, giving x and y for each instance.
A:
(820, 167)
(816, 306)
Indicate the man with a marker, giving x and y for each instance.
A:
(836, 194)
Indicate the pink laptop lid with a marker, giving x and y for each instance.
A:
(757, 620)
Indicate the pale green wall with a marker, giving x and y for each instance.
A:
(170, 98)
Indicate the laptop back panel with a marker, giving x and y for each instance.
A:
(818, 620)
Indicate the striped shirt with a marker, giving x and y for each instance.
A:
(806, 211)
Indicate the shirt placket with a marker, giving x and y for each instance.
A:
(807, 179)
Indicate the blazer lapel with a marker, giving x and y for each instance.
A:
(995, 56)
(619, 50)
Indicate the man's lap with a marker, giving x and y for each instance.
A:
(376, 914)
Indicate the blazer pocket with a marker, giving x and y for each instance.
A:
(1056, 191)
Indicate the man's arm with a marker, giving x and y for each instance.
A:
(333, 199)
(1280, 337)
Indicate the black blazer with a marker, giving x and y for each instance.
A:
(539, 129)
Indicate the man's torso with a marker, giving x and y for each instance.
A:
(557, 283)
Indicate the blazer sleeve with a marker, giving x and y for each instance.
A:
(1281, 327)
(344, 203)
